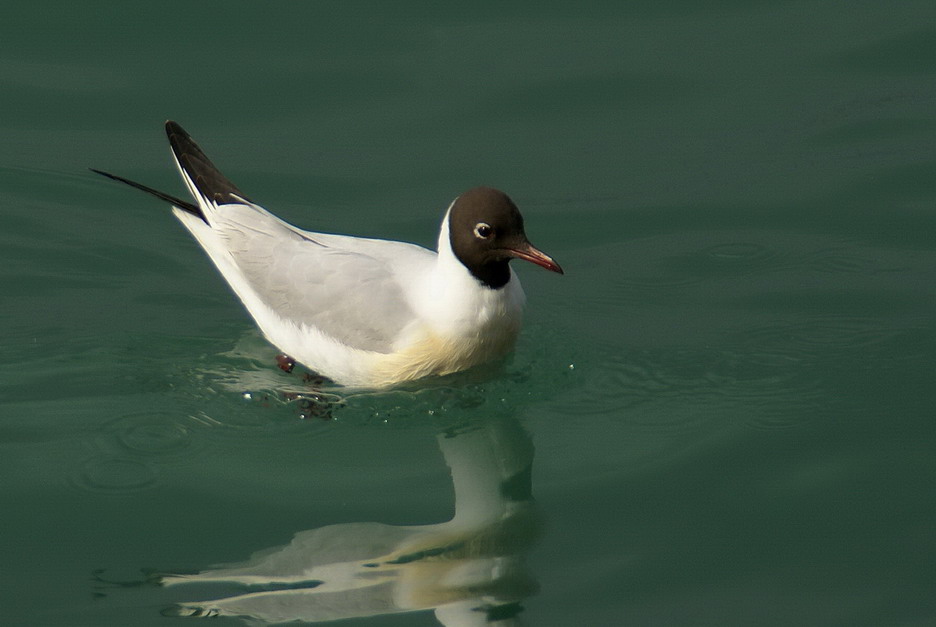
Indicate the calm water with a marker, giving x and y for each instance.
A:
(727, 402)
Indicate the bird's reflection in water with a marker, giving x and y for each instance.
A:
(469, 570)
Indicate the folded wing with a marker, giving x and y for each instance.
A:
(343, 287)
(349, 295)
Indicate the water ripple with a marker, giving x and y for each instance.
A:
(666, 264)
(150, 433)
(113, 475)
(623, 382)
(843, 260)
(681, 389)
(820, 335)
(739, 251)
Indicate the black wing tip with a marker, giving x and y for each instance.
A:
(177, 202)
(206, 177)
(177, 135)
(103, 173)
(173, 127)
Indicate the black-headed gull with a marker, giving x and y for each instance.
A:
(363, 312)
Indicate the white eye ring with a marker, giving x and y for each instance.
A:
(483, 230)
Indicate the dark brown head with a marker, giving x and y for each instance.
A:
(486, 232)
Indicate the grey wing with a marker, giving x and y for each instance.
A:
(349, 295)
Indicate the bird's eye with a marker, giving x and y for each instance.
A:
(483, 230)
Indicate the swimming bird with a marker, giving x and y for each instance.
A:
(363, 312)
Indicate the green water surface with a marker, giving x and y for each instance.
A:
(721, 415)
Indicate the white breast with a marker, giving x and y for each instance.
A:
(461, 323)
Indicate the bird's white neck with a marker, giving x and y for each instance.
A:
(460, 303)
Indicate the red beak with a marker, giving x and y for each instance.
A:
(527, 252)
